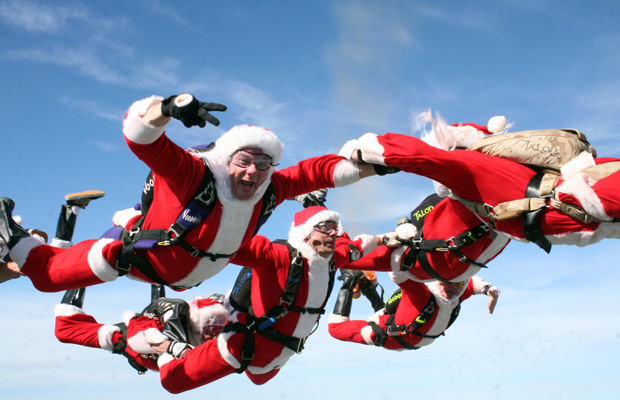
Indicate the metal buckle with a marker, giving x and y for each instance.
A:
(172, 234)
(300, 345)
(133, 231)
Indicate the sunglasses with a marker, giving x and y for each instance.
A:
(326, 227)
(244, 159)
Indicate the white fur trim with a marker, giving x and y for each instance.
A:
(214, 314)
(19, 253)
(297, 234)
(105, 336)
(498, 244)
(98, 264)
(165, 358)
(337, 318)
(236, 216)
(366, 334)
(244, 136)
(346, 151)
(61, 244)
(577, 164)
(122, 217)
(66, 310)
(479, 284)
(441, 189)
(497, 124)
(127, 316)
(372, 151)
(442, 301)
(368, 243)
(578, 185)
(346, 173)
(135, 128)
(398, 276)
(222, 345)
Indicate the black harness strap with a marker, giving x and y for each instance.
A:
(121, 348)
(247, 348)
(262, 325)
(196, 211)
(397, 331)
(419, 249)
(531, 219)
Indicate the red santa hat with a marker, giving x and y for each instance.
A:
(244, 136)
(306, 219)
(208, 311)
(495, 125)
(459, 135)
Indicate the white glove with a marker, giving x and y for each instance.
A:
(178, 349)
(406, 231)
(390, 239)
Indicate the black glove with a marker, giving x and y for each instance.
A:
(383, 170)
(187, 109)
(316, 198)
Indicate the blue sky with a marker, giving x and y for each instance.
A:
(317, 73)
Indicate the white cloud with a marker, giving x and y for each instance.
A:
(41, 18)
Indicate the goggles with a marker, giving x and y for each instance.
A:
(244, 159)
(212, 330)
(326, 227)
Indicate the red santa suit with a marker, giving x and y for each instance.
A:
(492, 180)
(271, 264)
(415, 297)
(447, 219)
(178, 174)
(184, 320)
(74, 326)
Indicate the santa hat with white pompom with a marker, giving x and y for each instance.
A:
(459, 135)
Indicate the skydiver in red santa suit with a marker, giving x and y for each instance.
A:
(75, 202)
(490, 180)
(440, 218)
(317, 233)
(242, 163)
(413, 317)
(180, 324)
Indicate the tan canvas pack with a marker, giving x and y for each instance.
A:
(514, 208)
(543, 148)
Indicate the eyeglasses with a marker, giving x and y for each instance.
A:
(243, 159)
(326, 227)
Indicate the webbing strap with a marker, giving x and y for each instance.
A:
(247, 348)
(531, 219)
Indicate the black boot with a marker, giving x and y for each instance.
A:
(74, 297)
(345, 295)
(10, 232)
(66, 223)
(369, 290)
(68, 218)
